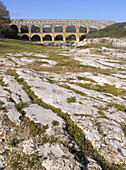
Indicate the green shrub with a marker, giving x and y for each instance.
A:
(55, 123)
(20, 106)
(53, 140)
(71, 99)
(20, 80)
(35, 128)
(1, 105)
(1, 81)
(14, 142)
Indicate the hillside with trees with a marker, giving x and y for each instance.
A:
(117, 30)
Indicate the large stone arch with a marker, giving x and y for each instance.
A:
(59, 37)
(35, 29)
(25, 37)
(58, 28)
(14, 27)
(35, 38)
(47, 28)
(83, 29)
(103, 26)
(47, 38)
(24, 28)
(71, 28)
(93, 28)
(71, 37)
(82, 37)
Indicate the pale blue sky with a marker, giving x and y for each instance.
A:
(68, 9)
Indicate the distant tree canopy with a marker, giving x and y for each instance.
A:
(4, 16)
(4, 23)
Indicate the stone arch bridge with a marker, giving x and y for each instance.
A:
(55, 29)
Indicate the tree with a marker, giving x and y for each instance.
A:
(4, 17)
(4, 23)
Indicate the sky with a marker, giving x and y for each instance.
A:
(112, 10)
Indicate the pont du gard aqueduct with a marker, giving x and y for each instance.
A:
(56, 29)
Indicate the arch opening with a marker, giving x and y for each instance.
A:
(71, 28)
(35, 29)
(82, 37)
(24, 29)
(47, 38)
(71, 37)
(25, 38)
(59, 38)
(103, 26)
(58, 28)
(83, 29)
(14, 27)
(35, 38)
(93, 28)
(47, 28)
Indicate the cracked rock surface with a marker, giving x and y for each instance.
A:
(34, 135)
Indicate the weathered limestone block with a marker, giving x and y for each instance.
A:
(58, 157)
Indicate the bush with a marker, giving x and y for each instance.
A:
(35, 128)
(20, 106)
(1, 105)
(14, 142)
(55, 123)
(1, 81)
(53, 140)
(71, 100)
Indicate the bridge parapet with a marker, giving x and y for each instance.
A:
(62, 21)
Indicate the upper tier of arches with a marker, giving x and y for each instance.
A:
(48, 29)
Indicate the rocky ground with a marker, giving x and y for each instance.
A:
(63, 109)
